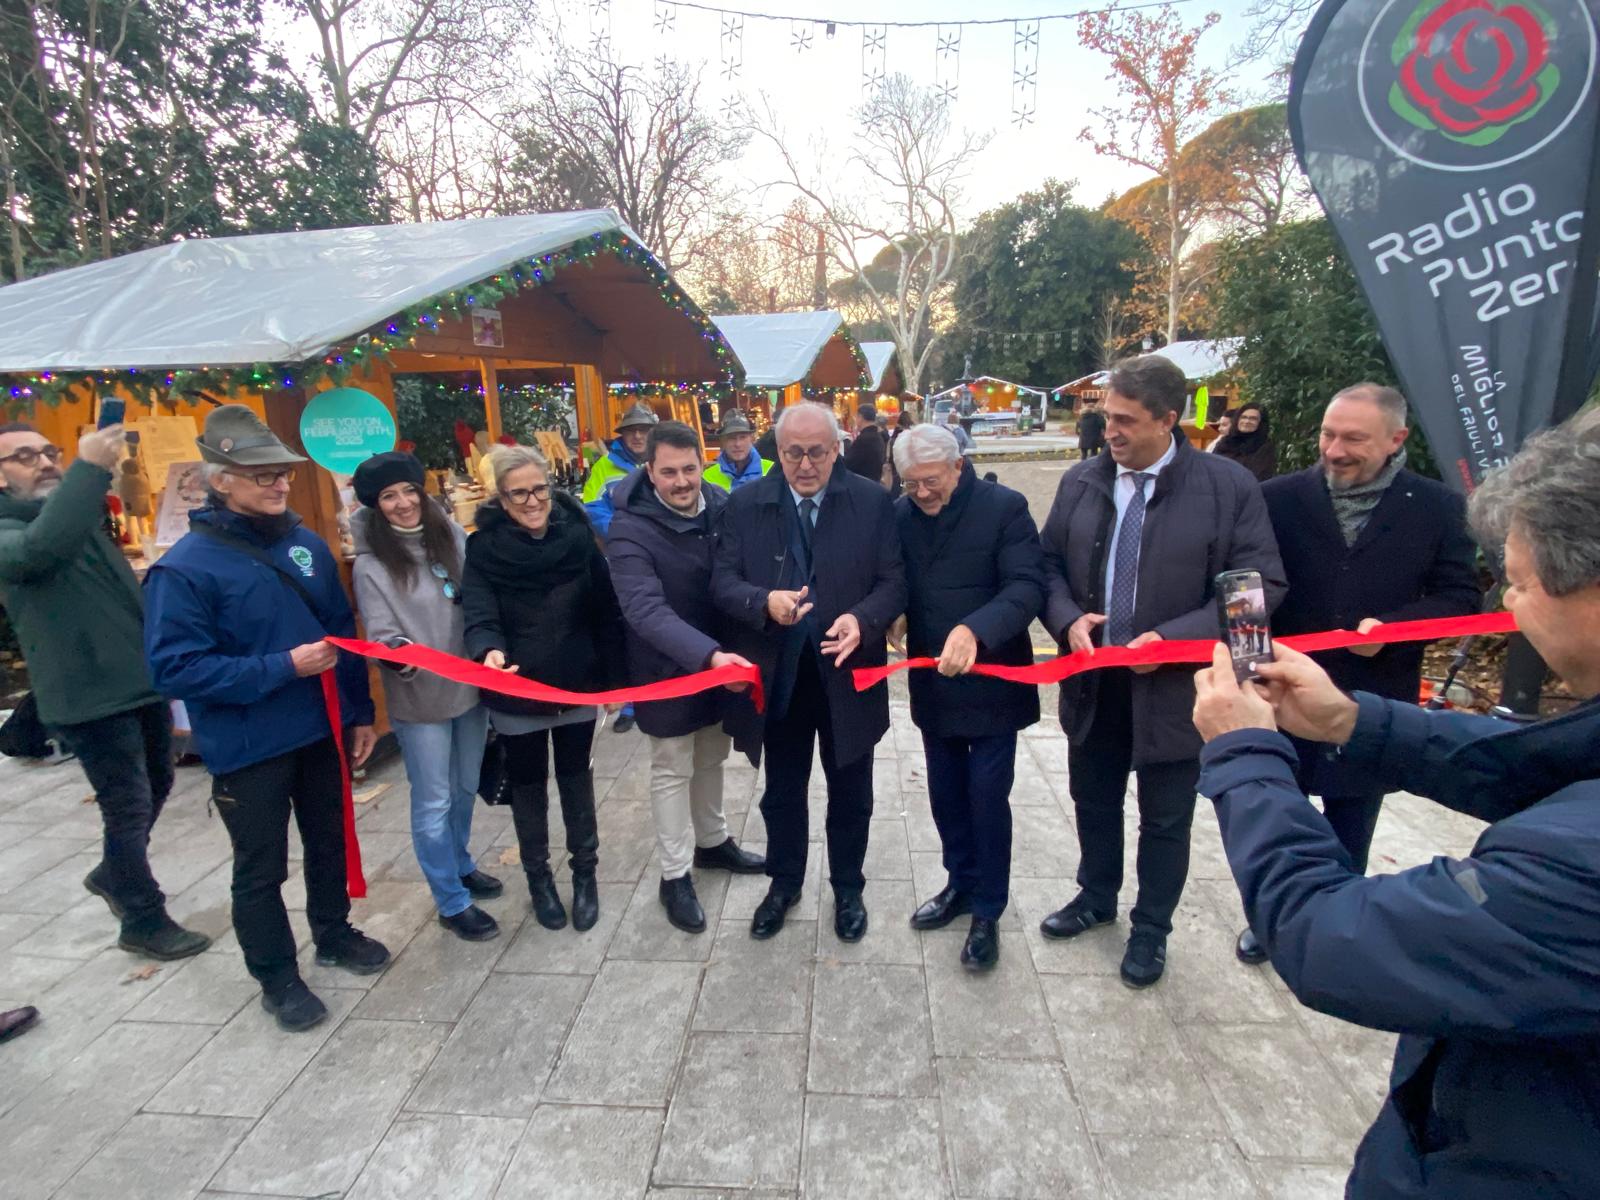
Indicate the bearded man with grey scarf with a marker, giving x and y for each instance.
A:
(1364, 542)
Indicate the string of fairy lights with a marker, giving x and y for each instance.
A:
(396, 333)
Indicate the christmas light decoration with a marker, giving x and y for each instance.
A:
(158, 385)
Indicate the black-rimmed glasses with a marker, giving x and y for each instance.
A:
(266, 479)
(523, 496)
(793, 454)
(29, 455)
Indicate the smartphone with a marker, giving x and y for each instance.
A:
(112, 409)
(1242, 614)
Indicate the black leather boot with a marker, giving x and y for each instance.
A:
(583, 845)
(530, 814)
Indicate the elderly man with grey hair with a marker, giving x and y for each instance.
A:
(237, 614)
(975, 582)
(1488, 965)
(808, 569)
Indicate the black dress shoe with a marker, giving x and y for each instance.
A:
(942, 909)
(1145, 959)
(1249, 950)
(162, 938)
(771, 912)
(92, 883)
(355, 952)
(982, 950)
(471, 924)
(482, 886)
(585, 901)
(1077, 917)
(16, 1020)
(623, 723)
(728, 857)
(849, 916)
(547, 907)
(296, 1007)
(682, 905)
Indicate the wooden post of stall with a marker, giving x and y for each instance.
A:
(491, 399)
(594, 421)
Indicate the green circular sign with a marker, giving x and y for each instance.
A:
(343, 428)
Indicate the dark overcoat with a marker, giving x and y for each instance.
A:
(856, 569)
(1205, 516)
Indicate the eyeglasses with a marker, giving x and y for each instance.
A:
(920, 485)
(29, 455)
(793, 454)
(451, 589)
(266, 479)
(523, 496)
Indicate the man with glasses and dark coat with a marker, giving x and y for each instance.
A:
(808, 567)
(238, 613)
(78, 615)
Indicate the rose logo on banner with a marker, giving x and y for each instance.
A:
(1470, 73)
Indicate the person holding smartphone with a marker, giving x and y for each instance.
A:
(79, 617)
(1488, 963)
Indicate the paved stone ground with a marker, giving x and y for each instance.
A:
(637, 1061)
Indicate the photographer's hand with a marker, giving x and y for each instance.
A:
(1221, 705)
(1308, 704)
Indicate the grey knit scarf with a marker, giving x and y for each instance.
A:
(1352, 506)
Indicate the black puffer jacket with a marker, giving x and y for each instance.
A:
(546, 602)
(979, 564)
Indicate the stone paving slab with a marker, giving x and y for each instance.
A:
(634, 1060)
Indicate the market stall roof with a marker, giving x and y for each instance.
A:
(291, 297)
(882, 365)
(984, 381)
(1200, 360)
(778, 349)
(1096, 379)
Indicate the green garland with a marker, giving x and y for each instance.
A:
(855, 352)
(376, 343)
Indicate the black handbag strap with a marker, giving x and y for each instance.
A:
(250, 550)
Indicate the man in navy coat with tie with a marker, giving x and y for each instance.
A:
(808, 566)
(1132, 544)
(1364, 541)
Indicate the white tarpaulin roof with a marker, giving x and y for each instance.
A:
(778, 349)
(276, 297)
(1201, 360)
(878, 355)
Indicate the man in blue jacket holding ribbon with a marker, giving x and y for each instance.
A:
(1487, 965)
(237, 613)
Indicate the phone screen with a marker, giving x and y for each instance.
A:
(112, 409)
(1242, 611)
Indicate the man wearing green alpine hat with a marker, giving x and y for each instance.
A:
(625, 457)
(238, 613)
(739, 463)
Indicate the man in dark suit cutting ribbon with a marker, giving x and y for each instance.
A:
(808, 566)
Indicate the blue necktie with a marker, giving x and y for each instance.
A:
(1125, 580)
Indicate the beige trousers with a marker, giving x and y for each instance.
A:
(686, 795)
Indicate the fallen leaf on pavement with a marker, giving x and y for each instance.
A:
(138, 974)
(510, 856)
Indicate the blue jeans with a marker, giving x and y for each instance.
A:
(969, 790)
(442, 763)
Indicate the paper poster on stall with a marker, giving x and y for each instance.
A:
(488, 328)
(185, 492)
(163, 443)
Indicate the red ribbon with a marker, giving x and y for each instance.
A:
(1162, 653)
(461, 670)
(354, 878)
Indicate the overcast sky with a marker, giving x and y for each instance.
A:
(816, 89)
